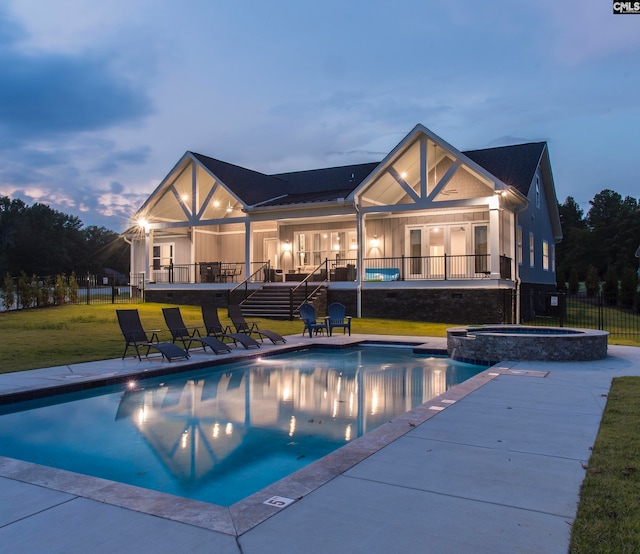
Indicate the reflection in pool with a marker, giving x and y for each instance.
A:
(221, 434)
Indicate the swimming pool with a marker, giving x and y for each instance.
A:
(218, 435)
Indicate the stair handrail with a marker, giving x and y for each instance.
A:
(305, 282)
(266, 266)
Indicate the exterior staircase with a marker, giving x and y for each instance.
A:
(273, 300)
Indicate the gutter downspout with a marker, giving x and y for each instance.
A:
(518, 281)
(359, 237)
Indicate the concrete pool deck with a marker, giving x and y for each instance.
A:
(493, 465)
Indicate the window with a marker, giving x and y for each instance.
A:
(162, 255)
(545, 255)
(519, 247)
(537, 192)
(532, 253)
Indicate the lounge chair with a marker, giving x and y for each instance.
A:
(337, 318)
(251, 327)
(308, 317)
(135, 335)
(215, 329)
(180, 332)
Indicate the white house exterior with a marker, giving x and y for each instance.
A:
(428, 233)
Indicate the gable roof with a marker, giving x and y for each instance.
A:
(250, 186)
(513, 165)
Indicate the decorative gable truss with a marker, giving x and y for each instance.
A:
(424, 172)
(190, 196)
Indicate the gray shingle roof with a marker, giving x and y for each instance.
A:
(514, 165)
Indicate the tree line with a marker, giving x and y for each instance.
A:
(38, 240)
(598, 249)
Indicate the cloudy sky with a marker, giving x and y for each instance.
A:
(98, 100)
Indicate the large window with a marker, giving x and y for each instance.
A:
(532, 251)
(519, 247)
(311, 248)
(545, 255)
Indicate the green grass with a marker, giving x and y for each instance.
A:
(64, 335)
(623, 326)
(608, 519)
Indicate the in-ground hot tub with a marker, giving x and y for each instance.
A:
(493, 343)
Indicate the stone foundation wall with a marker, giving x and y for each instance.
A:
(469, 306)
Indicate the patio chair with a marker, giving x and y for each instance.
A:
(251, 327)
(216, 330)
(337, 318)
(135, 335)
(308, 317)
(179, 331)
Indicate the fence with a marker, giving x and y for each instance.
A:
(38, 292)
(600, 311)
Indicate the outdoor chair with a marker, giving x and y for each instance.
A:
(135, 335)
(308, 317)
(337, 318)
(216, 330)
(251, 327)
(180, 332)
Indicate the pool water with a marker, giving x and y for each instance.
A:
(221, 434)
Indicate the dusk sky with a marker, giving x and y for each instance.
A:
(99, 100)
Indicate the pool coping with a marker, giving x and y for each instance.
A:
(246, 514)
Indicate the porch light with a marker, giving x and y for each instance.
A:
(216, 203)
(286, 246)
(142, 222)
(229, 208)
(374, 242)
(185, 197)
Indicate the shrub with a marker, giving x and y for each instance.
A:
(25, 291)
(73, 288)
(611, 287)
(8, 292)
(628, 288)
(592, 283)
(574, 281)
(60, 290)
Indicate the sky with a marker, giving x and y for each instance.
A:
(99, 100)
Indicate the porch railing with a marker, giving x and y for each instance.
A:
(398, 268)
(204, 272)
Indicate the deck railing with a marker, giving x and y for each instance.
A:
(398, 268)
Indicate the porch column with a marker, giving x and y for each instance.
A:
(148, 241)
(494, 236)
(360, 260)
(247, 248)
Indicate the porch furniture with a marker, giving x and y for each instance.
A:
(251, 327)
(337, 318)
(308, 317)
(210, 272)
(179, 331)
(135, 335)
(381, 274)
(215, 328)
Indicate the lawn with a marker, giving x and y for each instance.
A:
(608, 519)
(64, 335)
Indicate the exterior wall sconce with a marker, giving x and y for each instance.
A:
(286, 247)
(374, 242)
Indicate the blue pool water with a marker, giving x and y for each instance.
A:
(221, 434)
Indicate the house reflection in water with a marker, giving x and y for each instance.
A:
(214, 422)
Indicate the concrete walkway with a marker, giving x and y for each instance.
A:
(493, 465)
